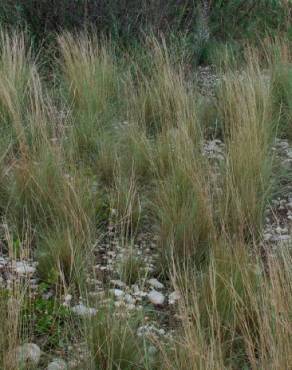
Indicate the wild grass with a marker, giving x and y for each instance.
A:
(113, 342)
(245, 102)
(92, 82)
(10, 328)
(280, 60)
(184, 211)
(161, 100)
(234, 316)
(16, 69)
(126, 154)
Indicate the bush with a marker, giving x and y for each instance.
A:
(109, 16)
(247, 18)
(127, 18)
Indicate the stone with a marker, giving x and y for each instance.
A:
(281, 230)
(129, 299)
(28, 353)
(138, 292)
(173, 297)
(156, 298)
(155, 283)
(118, 283)
(23, 268)
(119, 304)
(67, 300)
(48, 295)
(82, 310)
(146, 330)
(57, 364)
(3, 262)
(283, 237)
(267, 236)
(152, 350)
(118, 293)
(131, 306)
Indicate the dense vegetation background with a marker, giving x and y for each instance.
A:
(127, 19)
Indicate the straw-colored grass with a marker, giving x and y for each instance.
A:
(245, 102)
(121, 143)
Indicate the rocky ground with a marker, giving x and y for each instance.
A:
(108, 283)
(143, 291)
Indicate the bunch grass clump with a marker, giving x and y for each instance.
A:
(245, 103)
(116, 150)
(234, 315)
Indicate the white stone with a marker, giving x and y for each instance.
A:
(283, 237)
(146, 330)
(3, 261)
(47, 295)
(118, 293)
(28, 352)
(143, 330)
(152, 350)
(156, 297)
(118, 283)
(57, 364)
(68, 298)
(155, 283)
(119, 304)
(82, 310)
(129, 299)
(281, 230)
(135, 288)
(173, 297)
(267, 236)
(131, 306)
(23, 268)
(140, 293)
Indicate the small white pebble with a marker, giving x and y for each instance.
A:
(28, 352)
(173, 297)
(118, 293)
(23, 268)
(155, 283)
(129, 299)
(156, 298)
(68, 298)
(57, 364)
(82, 310)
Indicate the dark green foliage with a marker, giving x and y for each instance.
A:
(248, 18)
(282, 90)
(127, 19)
(119, 18)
